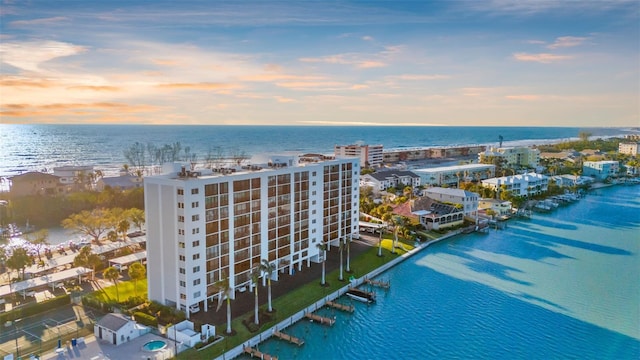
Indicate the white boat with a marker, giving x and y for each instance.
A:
(361, 295)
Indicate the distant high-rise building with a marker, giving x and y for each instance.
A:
(370, 155)
(204, 226)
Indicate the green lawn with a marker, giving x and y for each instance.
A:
(125, 291)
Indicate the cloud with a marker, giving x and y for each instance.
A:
(544, 58)
(39, 22)
(73, 109)
(14, 81)
(567, 41)
(30, 55)
(345, 59)
(524, 97)
(312, 85)
(199, 86)
(418, 77)
(367, 38)
(94, 88)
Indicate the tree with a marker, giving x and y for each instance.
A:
(322, 247)
(87, 258)
(137, 272)
(225, 291)
(19, 260)
(94, 223)
(123, 227)
(137, 217)
(39, 239)
(255, 275)
(112, 235)
(584, 135)
(268, 268)
(112, 274)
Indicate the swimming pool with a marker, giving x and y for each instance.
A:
(155, 345)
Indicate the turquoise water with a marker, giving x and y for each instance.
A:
(557, 286)
(154, 345)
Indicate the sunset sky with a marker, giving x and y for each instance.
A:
(493, 63)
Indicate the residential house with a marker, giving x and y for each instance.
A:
(451, 175)
(600, 169)
(122, 182)
(519, 185)
(434, 215)
(467, 199)
(74, 178)
(500, 207)
(382, 180)
(35, 183)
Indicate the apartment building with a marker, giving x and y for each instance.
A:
(450, 175)
(382, 180)
(519, 185)
(630, 148)
(600, 169)
(369, 155)
(513, 156)
(206, 226)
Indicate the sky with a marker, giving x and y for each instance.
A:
(391, 63)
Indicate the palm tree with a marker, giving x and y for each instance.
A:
(255, 275)
(123, 227)
(137, 272)
(268, 268)
(225, 291)
(18, 260)
(86, 258)
(323, 248)
(112, 274)
(137, 217)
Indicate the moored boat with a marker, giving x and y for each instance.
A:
(361, 295)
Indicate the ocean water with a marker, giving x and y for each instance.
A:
(564, 285)
(42, 147)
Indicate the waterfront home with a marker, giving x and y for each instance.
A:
(600, 170)
(467, 199)
(567, 180)
(123, 182)
(74, 178)
(434, 215)
(500, 207)
(35, 183)
(117, 329)
(382, 180)
(519, 185)
(451, 175)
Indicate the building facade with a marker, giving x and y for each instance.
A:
(630, 148)
(422, 153)
(513, 156)
(467, 199)
(383, 180)
(450, 175)
(519, 185)
(35, 183)
(369, 155)
(204, 227)
(600, 169)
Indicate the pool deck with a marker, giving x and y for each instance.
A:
(92, 349)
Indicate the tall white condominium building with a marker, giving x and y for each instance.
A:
(631, 148)
(370, 155)
(204, 226)
(514, 156)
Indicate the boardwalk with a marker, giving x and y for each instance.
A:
(320, 319)
(289, 338)
(335, 305)
(256, 353)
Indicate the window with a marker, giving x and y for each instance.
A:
(180, 205)
(183, 296)
(182, 283)
(196, 256)
(194, 191)
(182, 271)
(196, 282)
(180, 231)
(196, 243)
(196, 269)
(195, 204)
(181, 258)
(195, 217)
(196, 294)
(180, 191)
(195, 231)
(181, 245)
(180, 218)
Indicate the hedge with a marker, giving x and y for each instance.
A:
(35, 308)
(145, 319)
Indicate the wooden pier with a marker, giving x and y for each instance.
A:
(287, 337)
(320, 319)
(378, 283)
(335, 305)
(256, 353)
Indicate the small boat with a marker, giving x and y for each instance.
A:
(361, 295)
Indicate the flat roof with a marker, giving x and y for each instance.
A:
(454, 167)
(43, 280)
(128, 259)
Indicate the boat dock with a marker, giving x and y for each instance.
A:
(257, 353)
(287, 337)
(320, 319)
(335, 305)
(378, 283)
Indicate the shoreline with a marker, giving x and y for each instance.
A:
(268, 333)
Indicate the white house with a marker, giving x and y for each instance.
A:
(467, 199)
(383, 180)
(600, 169)
(499, 206)
(519, 185)
(117, 329)
(434, 215)
(184, 332)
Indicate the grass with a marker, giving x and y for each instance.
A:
(125, 291)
